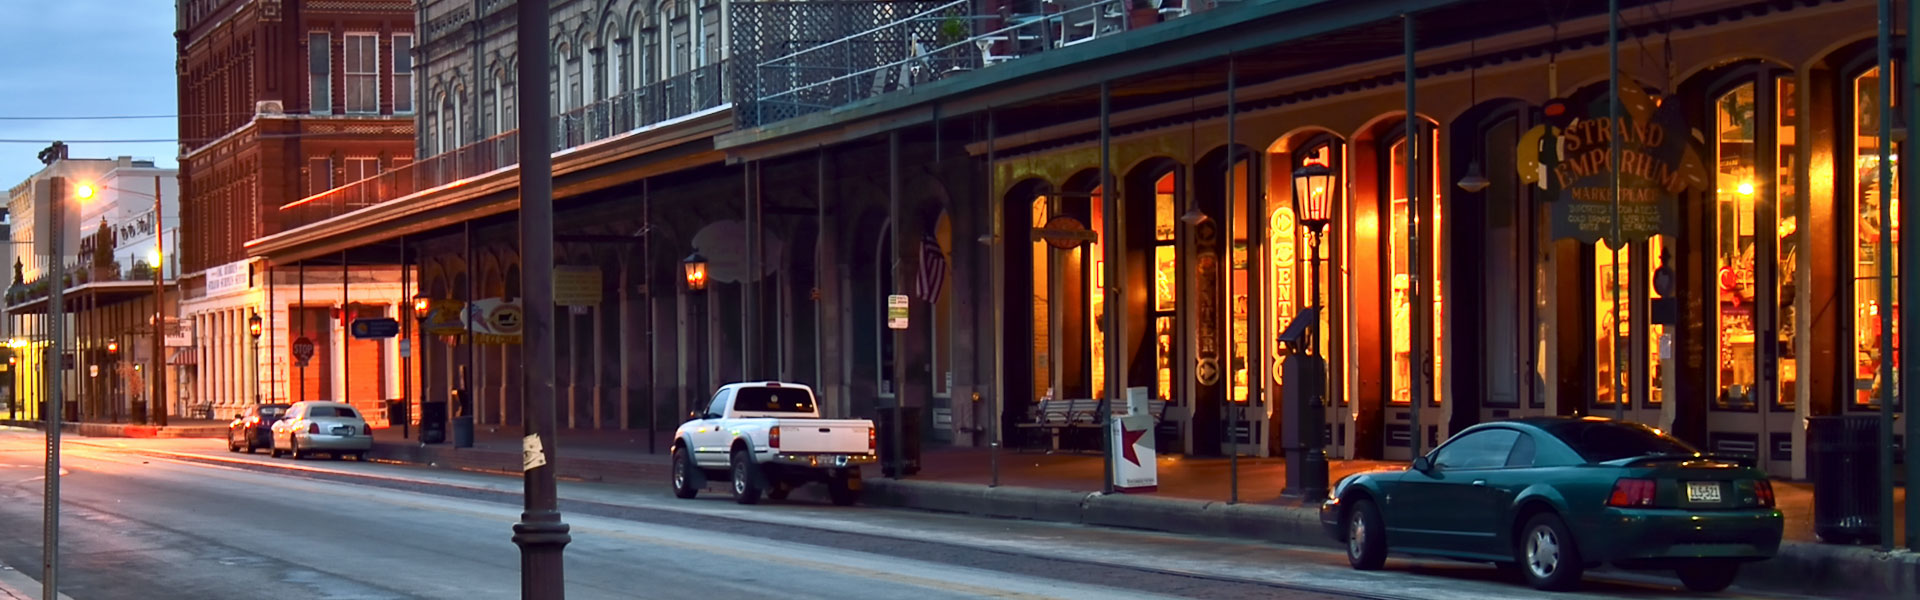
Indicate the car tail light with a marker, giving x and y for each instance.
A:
(253, 419)
(368, 429)
(773, 438)
(313, 428)
(1630, 493)
(872, 440)
(1763, 491)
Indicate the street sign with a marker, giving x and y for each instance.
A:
(406, 348)
(179, 333)
(576, 285)
(370, 329)
(302, 351)
(897, 311)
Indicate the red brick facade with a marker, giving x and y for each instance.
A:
(243, 158)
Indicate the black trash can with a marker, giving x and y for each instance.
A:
(1846, 478)
(462, 419)
(397, 417)
(909, 449)
(433, 422)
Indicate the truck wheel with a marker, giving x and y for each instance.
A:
(844, 488)
(682, 472)
(746, 478)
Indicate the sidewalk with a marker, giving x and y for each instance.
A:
(1193, 498)
(176, 428)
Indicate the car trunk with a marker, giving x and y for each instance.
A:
(1701, 483)
(842, 436)
(338, 425)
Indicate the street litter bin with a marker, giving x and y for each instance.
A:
(1846, 478)
(462, 419)
(909, 449)
(433, 422)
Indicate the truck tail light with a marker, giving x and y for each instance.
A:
(773, 438)
(872, 440)
(313, 428)
(1630, 493)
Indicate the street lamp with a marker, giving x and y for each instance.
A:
(696, 267)
(254, 330)
(1313, 202)
(421, 304)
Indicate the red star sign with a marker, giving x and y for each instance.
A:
(1127, 440)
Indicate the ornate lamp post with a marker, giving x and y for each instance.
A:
(695, 266)
(254, 329)
(1312, 201)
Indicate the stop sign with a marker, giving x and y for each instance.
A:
(302, 351)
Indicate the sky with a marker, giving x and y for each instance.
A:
(86, 58)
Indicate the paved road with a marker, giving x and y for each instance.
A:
(143, 525)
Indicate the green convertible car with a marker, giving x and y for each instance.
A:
(1553, 496)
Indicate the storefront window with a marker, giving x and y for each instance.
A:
(1094, 254)
(1405, 356)
(1042, 288)
(940, 350)
(1241, 281)
(1165, 279)
(1786, 247)
(1659, 338)
(1613, 294)
(1868, 194)
(1734, 246)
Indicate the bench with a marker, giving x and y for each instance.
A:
(1053, 417)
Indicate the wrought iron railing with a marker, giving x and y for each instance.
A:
(813, 56)
(678, 96)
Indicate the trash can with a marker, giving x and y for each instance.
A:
(910, 446)
(397, 416)
(462, 419)
(433, 422)
(1842, 451)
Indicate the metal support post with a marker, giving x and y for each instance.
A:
(997, 247)
(1226, 225)
(897, 209)
(540, 534)
(1910, 286)
(1885, 109)
(1417, 399)
(53, 407)
(406, 337)
(1110, 209)
(1613, 193)
(159, 372)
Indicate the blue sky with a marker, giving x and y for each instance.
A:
(86, 58)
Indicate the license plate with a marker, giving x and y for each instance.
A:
(1703, 491)
(349, 431)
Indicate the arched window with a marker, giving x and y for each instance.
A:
(1868, 192)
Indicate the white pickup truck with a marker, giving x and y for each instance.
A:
(768, 437)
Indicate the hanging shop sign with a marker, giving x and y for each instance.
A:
(1569, 157)
(1064, 233)
(496, 321)
(446, 317)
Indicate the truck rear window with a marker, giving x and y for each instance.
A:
(764, 399)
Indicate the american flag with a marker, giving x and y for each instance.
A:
(933, 270)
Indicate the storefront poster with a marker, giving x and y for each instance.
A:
(1569, 157)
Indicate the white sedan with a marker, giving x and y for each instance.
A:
(315, 426)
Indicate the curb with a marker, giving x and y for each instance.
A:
(125, 430)
(1818, 568)
(15, 585)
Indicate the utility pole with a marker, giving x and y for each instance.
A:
(541, 535)
(159, 373)
(53, 406)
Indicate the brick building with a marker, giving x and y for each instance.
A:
(280, 101)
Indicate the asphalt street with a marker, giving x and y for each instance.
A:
(185, 519)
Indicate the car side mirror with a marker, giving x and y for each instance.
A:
(1422, 464)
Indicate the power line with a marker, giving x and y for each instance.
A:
(112, 117)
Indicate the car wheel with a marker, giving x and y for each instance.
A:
(1366, 536)
(682, 469)
(293, 447)
(844, 488)
(1548, 555)
(1708, 575)
(273, 447)
(360, 457)
(746, 478)
(249, 447)
(231, 446)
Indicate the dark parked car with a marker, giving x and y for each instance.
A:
(253, 427)
(1554, 496)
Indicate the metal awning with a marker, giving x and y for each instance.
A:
(96, 294)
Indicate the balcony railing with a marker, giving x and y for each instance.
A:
(670, 98)
(813, 56)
